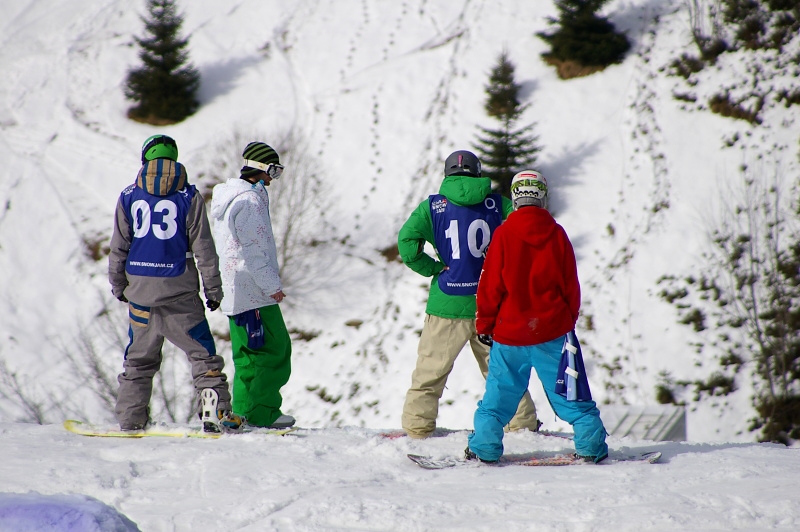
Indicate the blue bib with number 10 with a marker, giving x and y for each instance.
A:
(461, 234)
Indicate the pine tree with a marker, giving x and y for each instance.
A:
(165, 86)
(584, 42)
(506, 150)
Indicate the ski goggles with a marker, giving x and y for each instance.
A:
(157, 140)
(273, 170)
(161, 139)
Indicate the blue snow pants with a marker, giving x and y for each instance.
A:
(509, 374)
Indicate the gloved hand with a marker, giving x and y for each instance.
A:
(123, 298)
(485, 339)
(212, 305)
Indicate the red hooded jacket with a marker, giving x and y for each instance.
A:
(528, 292)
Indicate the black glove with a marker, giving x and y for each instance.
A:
(485, 339)
(123, 298)
(212, 305)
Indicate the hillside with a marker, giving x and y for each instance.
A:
(368, 97)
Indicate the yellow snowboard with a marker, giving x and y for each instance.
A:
(86, 429)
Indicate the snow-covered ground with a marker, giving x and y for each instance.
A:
(375, 94)
(353, 479)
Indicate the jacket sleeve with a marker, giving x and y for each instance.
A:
(254, 233)
(201, 243)
(572, 286)
(491, 289)
(411, 239)
(508, 207)
(118, 256)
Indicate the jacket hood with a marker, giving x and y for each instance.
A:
(224, 194)
(465, 190)
(161, 177)
(533, 225)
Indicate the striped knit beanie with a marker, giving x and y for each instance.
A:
(260, 153)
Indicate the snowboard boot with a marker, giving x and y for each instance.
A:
(230, 422)
(590, 459)
(129, 426)
(284, 421)
(132, 427)
(215, 419)
(469, 455)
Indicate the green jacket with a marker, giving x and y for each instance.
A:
(418, 229)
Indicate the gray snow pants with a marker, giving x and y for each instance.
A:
(184, 324)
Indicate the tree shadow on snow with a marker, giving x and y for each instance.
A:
(218, 78)
(526, 90)
(566, 170)
(634, 20)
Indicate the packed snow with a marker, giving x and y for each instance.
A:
(377, 93)
(354, 479)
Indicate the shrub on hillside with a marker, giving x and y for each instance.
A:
(724, 105)
(584, 42)
(762, 24)
(749, 293)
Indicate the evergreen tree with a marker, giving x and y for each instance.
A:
(506, 150)
(584, 42)
(165, 86)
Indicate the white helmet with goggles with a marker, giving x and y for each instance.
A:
(529, 187)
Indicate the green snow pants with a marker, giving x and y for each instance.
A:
(260, 373)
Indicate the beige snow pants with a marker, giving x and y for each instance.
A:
(441, 341)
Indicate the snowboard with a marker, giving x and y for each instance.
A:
(86, 429)
(426, 462)
(395, 434)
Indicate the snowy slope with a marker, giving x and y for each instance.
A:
(379, 93)
(352, 479)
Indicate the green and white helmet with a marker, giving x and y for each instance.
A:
(159, 147)
(529, 187)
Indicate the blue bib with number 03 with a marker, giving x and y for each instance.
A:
(461, 234)
(158, 229)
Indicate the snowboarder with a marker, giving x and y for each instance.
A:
(160, 228)
(459, 222)
(528, 302)
(249, 265)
